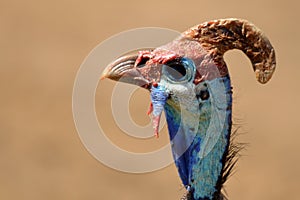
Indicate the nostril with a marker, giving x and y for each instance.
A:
(142, 63)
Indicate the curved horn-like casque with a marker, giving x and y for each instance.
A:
(221, 35)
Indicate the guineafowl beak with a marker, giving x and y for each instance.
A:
(138, 68)
(123, 69)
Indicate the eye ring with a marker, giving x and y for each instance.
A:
(179, 70)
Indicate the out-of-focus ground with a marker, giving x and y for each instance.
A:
(43, 43)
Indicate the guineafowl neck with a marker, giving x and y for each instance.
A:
(200, 144)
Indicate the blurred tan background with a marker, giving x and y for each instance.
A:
(43, 43)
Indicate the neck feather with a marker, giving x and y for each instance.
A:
(200, 150)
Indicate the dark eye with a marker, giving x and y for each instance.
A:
(176, 70)
(179, 70)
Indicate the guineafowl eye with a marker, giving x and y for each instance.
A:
(179, 70)
(175, 70)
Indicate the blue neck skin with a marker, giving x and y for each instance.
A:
(200, 161)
